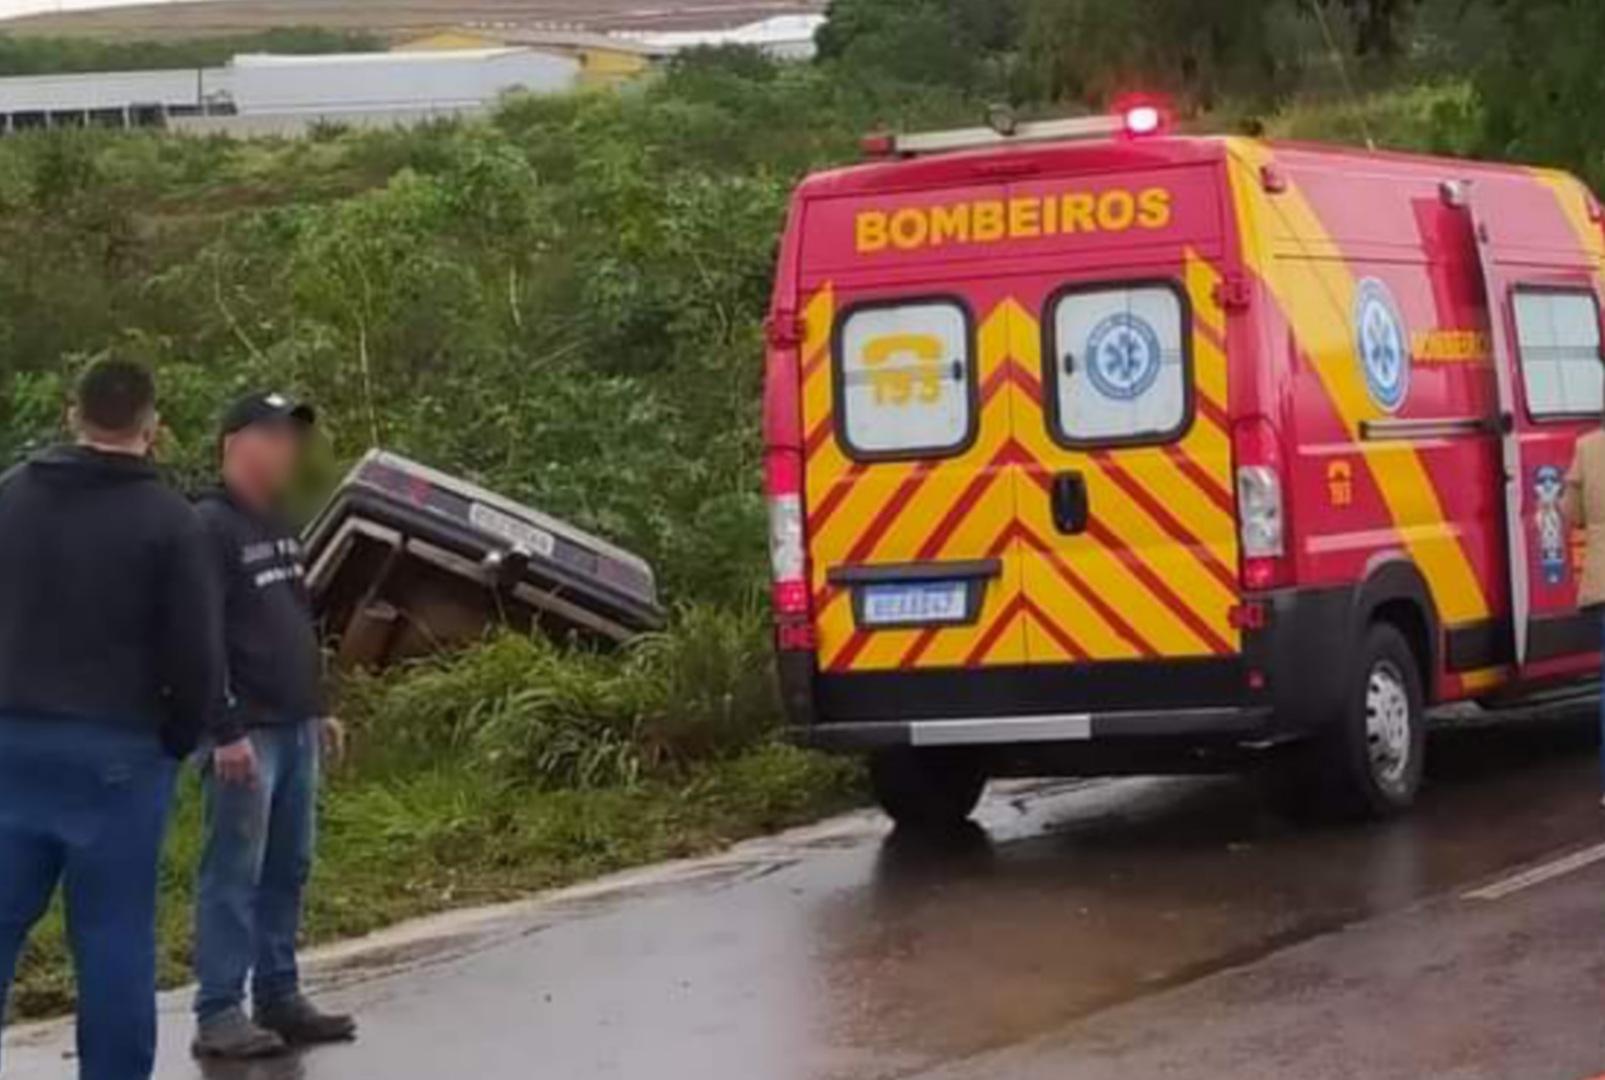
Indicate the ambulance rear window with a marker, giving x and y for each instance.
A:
(1558, 334)
(1118, 365)
(905, 379)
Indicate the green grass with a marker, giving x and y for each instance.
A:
(517, 767)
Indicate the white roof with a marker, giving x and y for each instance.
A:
(426, 58)
(780, 30)
(13, 9)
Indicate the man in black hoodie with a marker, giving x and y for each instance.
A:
(261, 774)
(110, 666)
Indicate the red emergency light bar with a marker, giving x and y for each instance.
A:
(1140, 120)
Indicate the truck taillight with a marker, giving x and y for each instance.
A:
(1261, 505)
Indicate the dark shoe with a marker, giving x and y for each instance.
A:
(300, 1023)
(230, 1036)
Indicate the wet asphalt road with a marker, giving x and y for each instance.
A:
(1180, 928)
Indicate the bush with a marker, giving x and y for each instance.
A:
(527, 711)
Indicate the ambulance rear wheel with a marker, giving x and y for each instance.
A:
(1372, 759)
(927, 790)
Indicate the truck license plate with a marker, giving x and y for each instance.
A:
(916, 603)
(520, 534)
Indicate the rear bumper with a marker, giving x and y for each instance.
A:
(1233, 724)
(1285, 683)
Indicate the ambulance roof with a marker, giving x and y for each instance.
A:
(1004, 163)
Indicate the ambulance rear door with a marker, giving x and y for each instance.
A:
(1126, 508)
(910, 493)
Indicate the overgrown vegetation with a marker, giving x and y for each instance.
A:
(34, 55)
(565, 303)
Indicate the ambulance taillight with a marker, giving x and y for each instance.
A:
(1261, 504)
(788, 550)
(783, 485)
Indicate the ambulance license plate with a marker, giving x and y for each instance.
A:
(920, 603)
(520, 534)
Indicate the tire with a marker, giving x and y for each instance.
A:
(1370, 761)
(927, 790)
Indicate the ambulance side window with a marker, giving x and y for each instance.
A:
(1558, 334)
(905, 379)
(1119, 365)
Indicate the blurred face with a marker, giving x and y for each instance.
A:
(263, 458)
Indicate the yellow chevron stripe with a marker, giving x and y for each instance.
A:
(1317, 295)
(1573, 199)
(1071, 614)
(819, 317)
(1209, 371)
(1202, 278)
(1208, 358)
(941, 487)
(1143, 539)
(1213, 527)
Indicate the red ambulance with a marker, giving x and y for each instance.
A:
(1095, 450)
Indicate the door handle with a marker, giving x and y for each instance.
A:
(1071, 507)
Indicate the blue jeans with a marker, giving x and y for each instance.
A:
(254, 867)
(85, 805)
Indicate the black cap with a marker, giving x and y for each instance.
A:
(266, 408)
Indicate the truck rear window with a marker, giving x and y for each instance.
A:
(906, 379)
(1118, 364)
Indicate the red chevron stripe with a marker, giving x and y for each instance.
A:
(1196, 473)
(812, 364)
(995, 632)
(826, 597)
(887, 517)
(1053, 630)
(1166, 520)
(1211, 335)
(849, 652)
(1155, 584)
(1212, 412)
(1008, 454)
(837, 494)
(816, 438)
(1025, 379)
(1088, 595)
(921, 646)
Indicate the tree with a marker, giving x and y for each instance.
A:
(1542, 93)
(1379, 25)
(1196, 50)
(933, 42)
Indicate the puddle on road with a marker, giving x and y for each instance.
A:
(1131, 889)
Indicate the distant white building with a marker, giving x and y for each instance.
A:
(454, 81)
(784, 37)
(287, 93)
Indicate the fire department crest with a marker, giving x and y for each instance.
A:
(1383, 344)
(1123, 357)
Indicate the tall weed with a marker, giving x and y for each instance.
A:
(528, 711)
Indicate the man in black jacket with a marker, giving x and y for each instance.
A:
(109, 667)
(261, 774)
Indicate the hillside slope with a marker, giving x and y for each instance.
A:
(399, 17)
